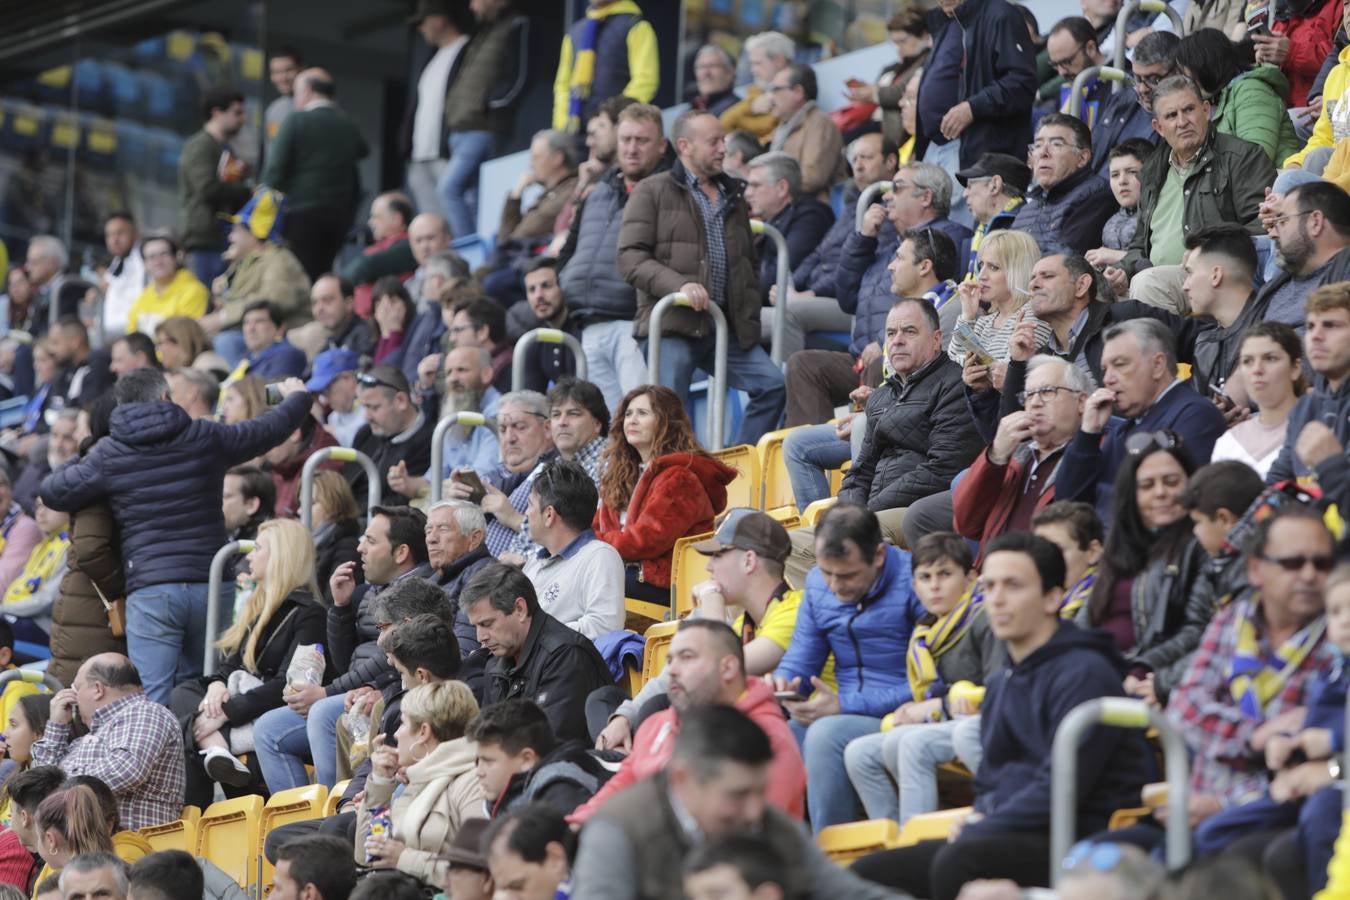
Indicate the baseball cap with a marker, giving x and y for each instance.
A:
(466, 848)
(749, 529)
(328, 365)
(1013, 171)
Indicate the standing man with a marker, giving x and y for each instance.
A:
(424, 140)
(282, 68)
(611, 50)
(805, 132)
(313, 162)
(125, 277)
(688, 232)
(206, 188)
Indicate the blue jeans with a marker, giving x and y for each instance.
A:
(830, 798)
(748, 370)
(895, 772)
(166, 633)
(807, 453)
(282, 740)
(207, 265)
(459, 182)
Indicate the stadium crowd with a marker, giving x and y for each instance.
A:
(1083, 356)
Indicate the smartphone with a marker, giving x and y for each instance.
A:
(272, 394)
(1258, 19)
(1225, 402)
(787, 695)
(466, 475)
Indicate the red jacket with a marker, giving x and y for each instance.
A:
(286, 475)
(1310, 43)
(983, 501)
(655, 742)
(678, 495)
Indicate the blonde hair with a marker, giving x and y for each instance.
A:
(447, 707)
(290, 565)
(1017, 252)
(335, 493)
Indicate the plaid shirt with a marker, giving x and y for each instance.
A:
(588, 457)
(714, 218)
(135, 746)
(1215, 729)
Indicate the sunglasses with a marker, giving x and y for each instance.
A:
(1147, 441)
(365, 379)
(1321, 562)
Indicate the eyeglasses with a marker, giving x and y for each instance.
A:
(932, 245)
(1279, 221)
(1056, 145)
(1321, 562)
(366, 379)
(1148, 81)
(1143, 442)
(1065, 63)
(1043, 395)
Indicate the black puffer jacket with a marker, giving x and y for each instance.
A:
(351, 640)
(452, 579)
(162, 472)
(919, 435)
(299, 620)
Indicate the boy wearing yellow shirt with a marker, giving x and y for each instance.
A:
(172, 291)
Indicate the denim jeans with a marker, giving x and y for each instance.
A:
(614, 361)
(748, 370)
(895, 772)
(230, 345)
(808, 452)
(830, 798)
(207, 265)
(166, 634)
(282, 740)
(459, 182)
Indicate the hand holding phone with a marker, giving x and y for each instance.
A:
(467, 476)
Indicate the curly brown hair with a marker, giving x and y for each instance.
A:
(674, 434)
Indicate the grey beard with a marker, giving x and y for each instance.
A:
(458, 401)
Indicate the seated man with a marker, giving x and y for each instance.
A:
(396, 432)
(1311, 231)
(707, 668)
(456, 551)
(578, 579)
(1142, 390)
(805, 132)
(859, 606)
(995, 191)
(1068, 203)
(1128, 113)
(1218, 267)
(1071, 46)
(332, 300)
(1055, 667)
(288, 459)
(389, 252)
(134, 745)
(270, 356)
(525, 231)
(317, 866)
(520, 761)
(530, 852)
(476, 321)
(94, 874)
(441, 273)
(921, 197)
(774, 192)
(334, 383)
(579, 423)
(131, 352)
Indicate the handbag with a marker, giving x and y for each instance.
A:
(116, 610)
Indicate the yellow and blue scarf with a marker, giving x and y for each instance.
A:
(583, 61)
(42, 563)
(1078, 594)
(934, 636)
(1254, 679)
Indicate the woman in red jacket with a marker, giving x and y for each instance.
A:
(1299, 42)
(659, 486)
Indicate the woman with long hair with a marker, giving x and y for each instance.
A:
(336, 522)
(996, 300)
(243, 399)
(659, 486)
(281, 614)
(1270, 359)
(393, 315)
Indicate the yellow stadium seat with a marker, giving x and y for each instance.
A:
(335, 797)
(131, 846)
(1124, 818)
(837, 477)
(228, 836)
(845, 843)
(687, 568)
(935, 826)
(811, 515)
(641, 608)
(745, 490)
(285, 807)
(654, 652)
(777, 487)
(787, 517)
(180, 835)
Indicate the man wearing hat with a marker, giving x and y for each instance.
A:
(334, 382)
(467, 877)
(995, 189)
(425, 135)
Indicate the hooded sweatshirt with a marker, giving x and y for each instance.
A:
(654, 744)
(1023, 707)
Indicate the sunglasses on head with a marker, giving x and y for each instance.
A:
(1142, 442)
(365, 379)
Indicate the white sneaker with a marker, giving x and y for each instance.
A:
(223, 767)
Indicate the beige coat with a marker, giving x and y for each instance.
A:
(819, 147)
(273, 273)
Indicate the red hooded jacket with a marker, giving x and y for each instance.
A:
(1310, 43)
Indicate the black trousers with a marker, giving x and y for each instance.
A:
(342, 825)
(183, 703)
(938, 869)
(315, 236)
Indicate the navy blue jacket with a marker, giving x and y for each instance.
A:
(1068, 218)
(281, 360)
(162, 472)
(816, 272)
(422, 340)
(1088, 470)
(1021, 712)
(1332, 409)
(1326, 703)
(803, 223)
(863, 285)
(1120, 119)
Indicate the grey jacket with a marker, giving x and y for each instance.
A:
(974, 658)
(1119, 229)
(590, 278)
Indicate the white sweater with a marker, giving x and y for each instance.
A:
(583, 590)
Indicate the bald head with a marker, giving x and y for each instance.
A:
(428, 234)
(312, 85)
(104, 679)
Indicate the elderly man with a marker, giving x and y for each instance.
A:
(396, 436)
(390, 251)
(714, 79)
(441, 272)
(1139, 374)
(332, 300)
(125, 277)
(995, 192)
(195, 391)
(769, 52)
(456, 552)
(774, 191)
(94, 876)
(921, 197)
(206, 189)
(1128, 113)
(1068, 204)
(46, 265)
(134, 745)
(804, 131)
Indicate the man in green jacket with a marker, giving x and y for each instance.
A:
(313, 162)
(206, 188)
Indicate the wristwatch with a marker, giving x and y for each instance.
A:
(1334, 768)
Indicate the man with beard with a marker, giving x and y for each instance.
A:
(60, 447)
(547, 308)
(1311, 229)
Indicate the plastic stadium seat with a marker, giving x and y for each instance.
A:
(654, 651)
(746, 489)
(643, 609)
(131, 846)
(1124, 818)
(812, 513)
(776, 490)
(787, 517)
(284, 808)
(933, 826)
(180, 835)
(228, 836)
(687, 568)
(845, 843)
(334, 798)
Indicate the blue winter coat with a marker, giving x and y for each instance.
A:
(1119, 120)
(863, 285)
(162, 472)
(869, 639)
(1068, 218)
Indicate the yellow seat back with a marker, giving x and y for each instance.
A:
(284, 808)
(228, 836)
(330, 806)
(687, 568)
(935, 826)
(657, 646)
(787, 517)
(131, 846)
(180, 835)
(811, 515)
(644, 610)
(845, 843)
(776, 490)
(744, 491)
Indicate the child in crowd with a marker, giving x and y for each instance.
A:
(1077, 531)
(30, 596)
(1126, 159)
(952, 651)
(742, 867)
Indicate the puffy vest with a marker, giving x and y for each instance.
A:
(611, 59)
(590, 281)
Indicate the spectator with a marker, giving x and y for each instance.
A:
(18, 299)
(468, 875)
(739, 866)
(774, 193)
(312, 160)
(25, 722)
(1068, 204)
(389, 253)
(130, 352)
(921, 197)
(602, 146)
(522, 432)
(578, 579)
(742, 146)
(336, 522)
(163, 875)
(180, 342)
(1311, 229)
(270, 356)
(804, 132)
(47, 455)
(442, 789)
(490, 78)
(547, 363)
(334, 382)
(208, 189)
(658, 486)
(28, 599)
(287, 461)
(317, 867)
(455, 550)
(1248, 100)
(611, 50)
(195, 391)
(686, 228)
(124, 278)
(1078, 533)
(531, 850)
(534, 655)
(393, 317)
(1125, 161)
(1219, 266)
(1071, 47)
(282, 68)
(867, 647)
(248, 497)
(602, 303)
(94, 874)
(908, 31)
(429, 236)
(1128, 112)
(476, 321)
(1003, 287)
(133, 745)
(442, 273)
(162, 473)
(1270, 360)
(520, 762)
(1141, 388)
(1331, 82)
(769, 53)
(84, 372)
(468, 389)
(995, 191)
(173, 290)
(424, 139)
(46, 264)
(396, 431)
(714, 80)
(1015, 478)
(26, 790)
(522, 232)
(332, 301)
(721, 753)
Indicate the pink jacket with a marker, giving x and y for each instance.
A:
(23, 536)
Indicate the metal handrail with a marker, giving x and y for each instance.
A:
(437, 477)
(717, 394)
(374, 485)
(865, 200)
(28, 676)
(544, 336)
(784, 268)
(1117, 712)
(1074, 107)
(1128, 11)
(213, 586)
